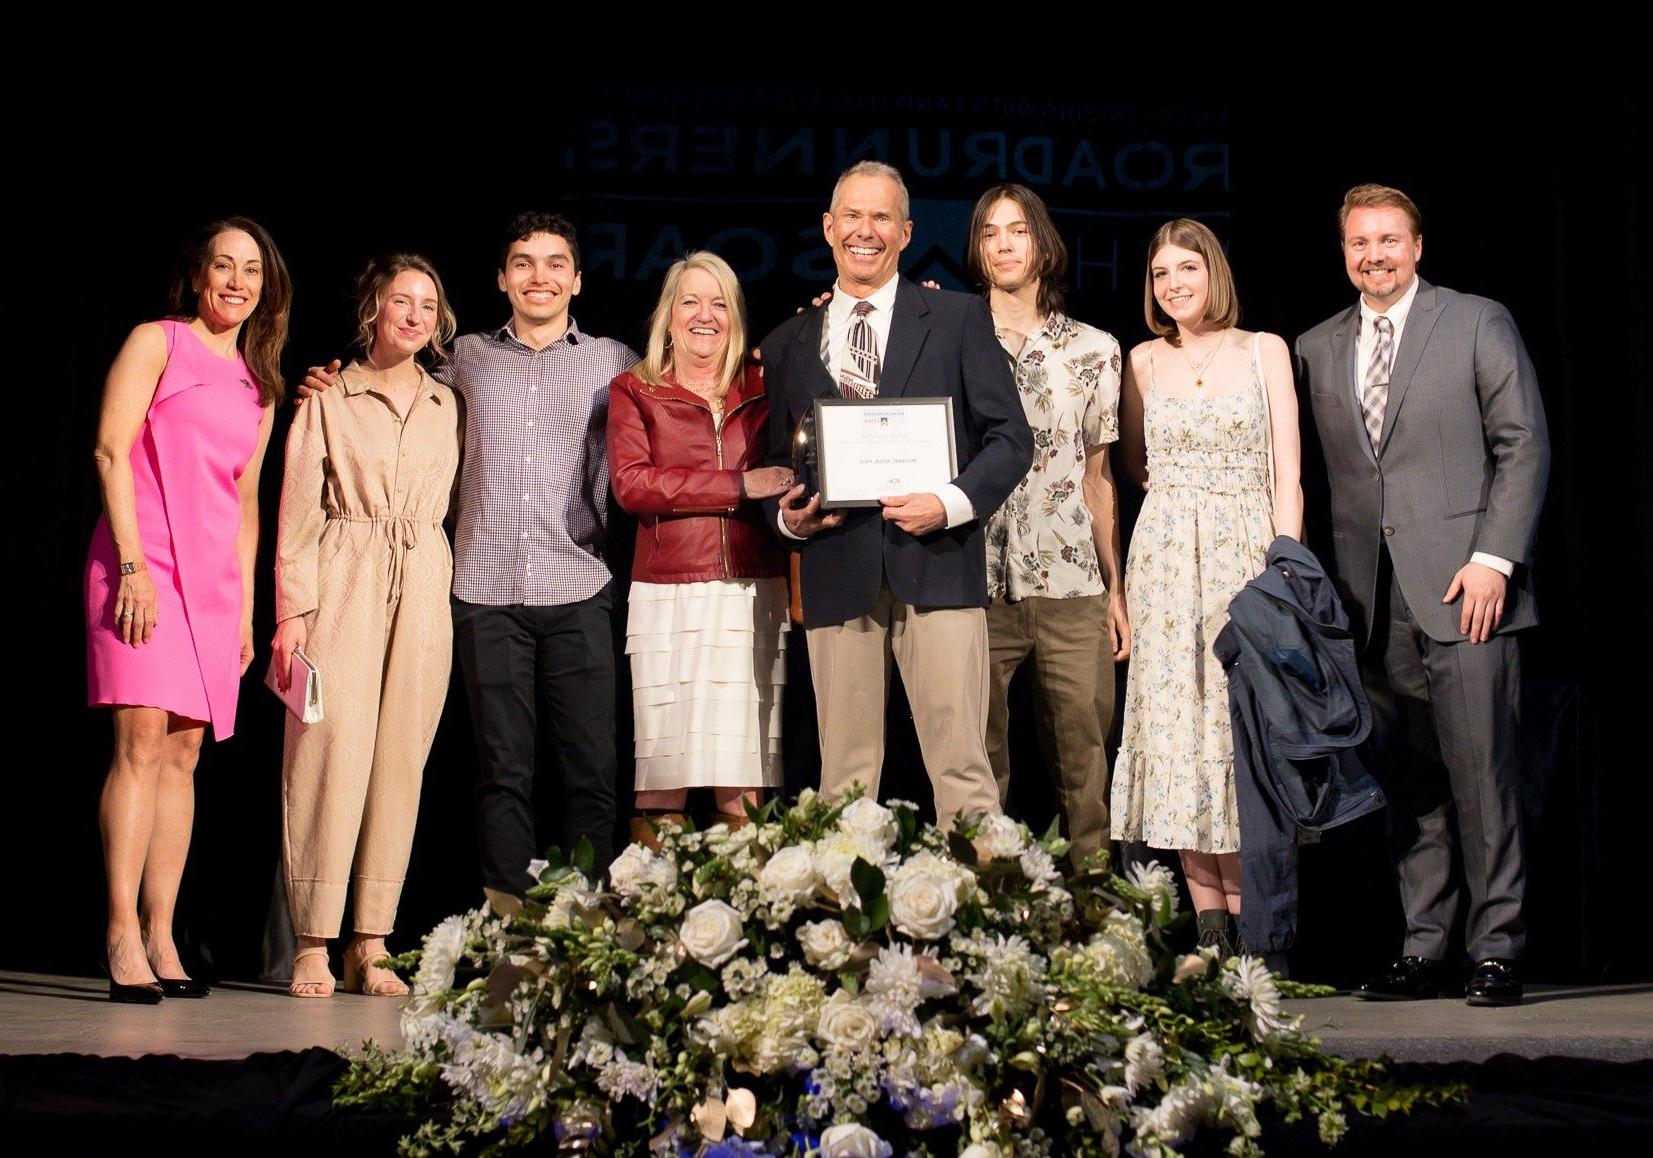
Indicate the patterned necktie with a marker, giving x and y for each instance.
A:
(1374, 395)
(858, 377)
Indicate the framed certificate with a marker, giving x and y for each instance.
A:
(872, 448)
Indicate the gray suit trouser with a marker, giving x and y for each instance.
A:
(1446, 719)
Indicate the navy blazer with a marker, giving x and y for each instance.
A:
(1299, 717)
(941, 344)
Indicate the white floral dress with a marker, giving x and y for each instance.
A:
(1202, 535)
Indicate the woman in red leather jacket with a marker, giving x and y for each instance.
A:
(708, 614)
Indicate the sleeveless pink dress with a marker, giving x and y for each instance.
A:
(199, 435)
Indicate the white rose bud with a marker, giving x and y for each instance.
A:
(849, 1141)
(868, 818)
(826, 944)
(922, 904)
(847, 1024)
(790, 874)
(711, 933)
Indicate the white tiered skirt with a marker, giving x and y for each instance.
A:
(708, 662)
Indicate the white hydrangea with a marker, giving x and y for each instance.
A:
(1119, 952)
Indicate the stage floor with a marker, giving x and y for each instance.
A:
(42, 1014)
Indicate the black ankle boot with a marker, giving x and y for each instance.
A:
(1217, 928)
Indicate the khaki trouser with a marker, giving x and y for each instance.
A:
(383, 642)
(942, 656)
(1070, 646)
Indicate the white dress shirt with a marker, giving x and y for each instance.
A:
(835, 348)
(1364, 343)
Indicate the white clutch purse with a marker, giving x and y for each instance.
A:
(303, 694)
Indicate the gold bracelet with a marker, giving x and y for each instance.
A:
(134, 567)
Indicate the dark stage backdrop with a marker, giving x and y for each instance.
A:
(1525, 202)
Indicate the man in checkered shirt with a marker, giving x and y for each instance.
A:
(531, 592)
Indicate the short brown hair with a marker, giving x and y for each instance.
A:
(1222, 304)
(1372, 196)
(1050, 256)
(370, 287)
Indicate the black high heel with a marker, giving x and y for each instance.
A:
(146, 994)
(183, 987)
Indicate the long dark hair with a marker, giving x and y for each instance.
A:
(264, 333)
(1050, 256)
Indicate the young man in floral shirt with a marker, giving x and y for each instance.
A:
(1053, 547)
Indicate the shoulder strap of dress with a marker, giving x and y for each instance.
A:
(1151, 371)
(1268, 412)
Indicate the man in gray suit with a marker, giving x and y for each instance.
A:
(1433, 431)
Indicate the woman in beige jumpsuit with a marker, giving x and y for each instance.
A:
(363, 570)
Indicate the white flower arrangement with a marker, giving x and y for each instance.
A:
(837, 979)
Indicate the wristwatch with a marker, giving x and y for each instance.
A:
(134, 567)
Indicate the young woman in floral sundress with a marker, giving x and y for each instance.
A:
(1208, 425)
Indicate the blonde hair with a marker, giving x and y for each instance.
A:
(657, 355)
(370, 290)
(1373, 196)
(1222, 304)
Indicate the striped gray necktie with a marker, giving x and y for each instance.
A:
(858, 377)
(1374, 395)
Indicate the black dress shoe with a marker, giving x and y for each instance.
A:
(186, 987)
(148, 994)
(1495, 981)
(1407, 979)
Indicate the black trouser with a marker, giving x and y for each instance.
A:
(1446, 716)
(516, 661)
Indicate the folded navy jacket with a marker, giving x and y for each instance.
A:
(1300, 715)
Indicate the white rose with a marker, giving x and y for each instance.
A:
(790, 874)
(846, 1023)
(999, 838)
(631, 870)
(711, 933)
(981, 1150)
(851, 1141)
(867, 818)
(922, 903)
(826, 944)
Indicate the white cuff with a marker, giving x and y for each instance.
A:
(1503, 566)
(956, 504)
(780, 521)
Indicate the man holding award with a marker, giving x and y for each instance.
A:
(917, 435)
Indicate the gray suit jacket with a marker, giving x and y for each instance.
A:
(1460, 468)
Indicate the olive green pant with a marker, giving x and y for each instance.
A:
(1070, 647)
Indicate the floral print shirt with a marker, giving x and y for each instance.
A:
(1039, 542)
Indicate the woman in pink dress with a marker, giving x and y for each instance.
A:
(185, 419)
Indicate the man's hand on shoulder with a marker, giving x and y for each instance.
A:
(318, 378)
